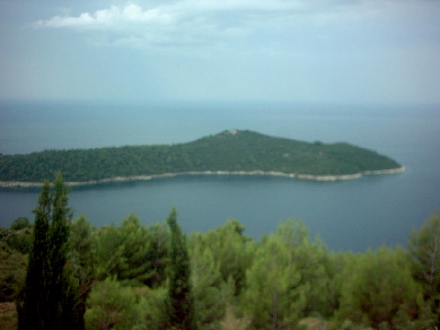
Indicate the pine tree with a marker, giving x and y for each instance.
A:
(424, 246)
(379, 292)
(80, 268)
(209, 300)
(274, 298)
(43, 296)
(181, 301)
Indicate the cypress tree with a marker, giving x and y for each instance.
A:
(31, 304)
(181, 301)
(57, 252)
(42, 297)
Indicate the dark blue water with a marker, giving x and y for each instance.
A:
(349, 215)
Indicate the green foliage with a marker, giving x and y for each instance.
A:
(112, 306)
(19, 240)
(81, 250)
(135, 241)
(144, 252)
(273, 297)
(133, 252)
(287, 277)
(137, 277)
(424, 246)
(316, 269)
(12, 272)
(81, 271)
(381, 291)
(280, 281)
(20, 223)
(157, 255)
(209, 299)
(55, 279)
(109, 250)
(232, 251)
(42, 303)
(153, 306)
(227, 151)
(32, 312)
(180, 295)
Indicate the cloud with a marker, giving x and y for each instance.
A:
(113, 17)
(215, 11)
(214, 22)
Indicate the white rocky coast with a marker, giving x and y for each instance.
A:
(18, 184)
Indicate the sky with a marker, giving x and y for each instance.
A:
(320, 51)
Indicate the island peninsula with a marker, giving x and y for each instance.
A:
(232, 152)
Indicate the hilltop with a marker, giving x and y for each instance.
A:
(229, 152)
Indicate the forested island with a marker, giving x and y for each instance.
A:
(229, 152)
(63, 273)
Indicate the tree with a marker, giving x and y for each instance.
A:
(41, 302)
(136, 243)
(20, 223)
(109, 251)
(112, 306)
(19, 236)
(144, 252)
(153, 306)
(232, 251)
(274, 298)
(133, 252)
(379, 292)
(58, 238)
(207, 284)
(158, 255)
(30, 307)
(81, 269)
(424, 246)
(312, 260)
(181, 301)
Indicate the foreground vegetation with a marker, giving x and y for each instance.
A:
(227, 151)
(134, 276)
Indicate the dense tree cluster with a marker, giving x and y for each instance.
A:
(227, 151)
(134, 276)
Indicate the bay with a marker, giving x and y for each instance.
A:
(348, 215)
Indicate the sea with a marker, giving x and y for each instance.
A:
(352, 215)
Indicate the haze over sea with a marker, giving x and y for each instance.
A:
(348, 215)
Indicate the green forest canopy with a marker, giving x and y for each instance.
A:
(233, 151)
(236, 282)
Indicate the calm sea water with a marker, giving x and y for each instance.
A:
(348, 215)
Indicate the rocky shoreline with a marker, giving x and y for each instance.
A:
(19, 184)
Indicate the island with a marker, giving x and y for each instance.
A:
(231, 152)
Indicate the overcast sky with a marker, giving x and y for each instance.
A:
(331, 51)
